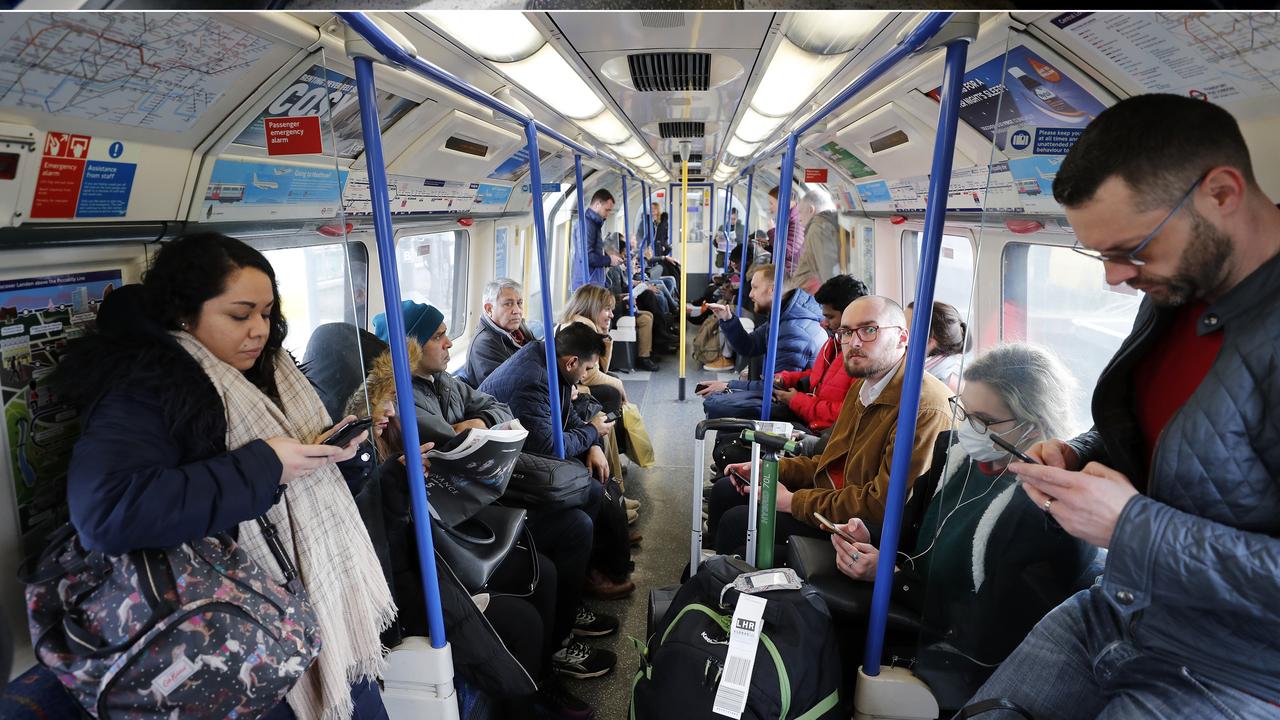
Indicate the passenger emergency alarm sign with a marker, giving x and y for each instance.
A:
(815, 175)
(293, 135)
(80, 177)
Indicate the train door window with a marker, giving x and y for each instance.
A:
(955, 269)
(433, 270)
(1060, 299)
(320, 284)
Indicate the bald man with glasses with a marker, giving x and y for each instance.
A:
(851, 476)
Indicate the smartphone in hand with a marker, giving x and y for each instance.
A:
(348, 432)
(831, 528)
(1009, 448)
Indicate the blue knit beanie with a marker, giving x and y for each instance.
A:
(420, 321)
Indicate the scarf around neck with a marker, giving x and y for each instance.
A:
(319, 526)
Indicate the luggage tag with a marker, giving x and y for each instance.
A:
(740, 660)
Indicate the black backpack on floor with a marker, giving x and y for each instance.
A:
(797, 669)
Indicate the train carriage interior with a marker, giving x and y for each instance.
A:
(445, 160)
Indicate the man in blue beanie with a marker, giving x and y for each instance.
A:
(446, 405)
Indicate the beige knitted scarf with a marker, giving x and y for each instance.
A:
(320, 527)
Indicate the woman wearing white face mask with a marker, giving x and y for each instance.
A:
(977, 558)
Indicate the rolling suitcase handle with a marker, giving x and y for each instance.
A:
(764, 451)
(699, 457)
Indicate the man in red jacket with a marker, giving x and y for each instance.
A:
(814, 395)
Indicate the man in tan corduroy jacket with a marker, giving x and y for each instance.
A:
(851, 476)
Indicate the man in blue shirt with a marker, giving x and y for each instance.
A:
(586, 237)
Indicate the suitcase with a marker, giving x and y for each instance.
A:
(724, 425)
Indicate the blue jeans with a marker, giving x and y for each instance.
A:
(1080, 662)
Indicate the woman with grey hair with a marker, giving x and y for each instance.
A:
(979, 560)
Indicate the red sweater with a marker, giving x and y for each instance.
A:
(829, 384)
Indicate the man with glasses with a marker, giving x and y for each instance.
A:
(1180, 475)
(851, 476)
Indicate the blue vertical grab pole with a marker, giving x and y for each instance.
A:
(370, 127)
(779, 263)
(580, 238)
(711, 244)
(728, 235)
(909, 405)
(626, 237)
(544, 276)
(746, 236)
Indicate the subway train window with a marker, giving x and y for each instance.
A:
(433, 269)
(1060, 299)
(955, 269)
(314, 288)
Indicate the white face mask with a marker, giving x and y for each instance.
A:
(979, 446)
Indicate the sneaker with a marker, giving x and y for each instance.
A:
(632, 516)
(592, 624)
(632, 504)
(582, 662)
(558, 702)
(724, 364)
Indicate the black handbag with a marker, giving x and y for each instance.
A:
(476, 547)
(542, 482)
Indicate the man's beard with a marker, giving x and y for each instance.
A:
(1201, 269)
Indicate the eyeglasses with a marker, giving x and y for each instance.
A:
(979, 424)
(1130, 257)
(866, 333)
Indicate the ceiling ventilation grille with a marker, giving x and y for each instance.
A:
(670, 72)
(682, 129)
(694, 159)
(663, 20)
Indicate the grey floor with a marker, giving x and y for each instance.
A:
(664, 492)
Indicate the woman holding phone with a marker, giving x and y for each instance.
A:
(197, 422)
(981, 562)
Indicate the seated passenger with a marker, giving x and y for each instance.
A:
(851, 476)
(592, 306)
(981, 563)
(800, 333)
(197, 423)
(947, 336)
(501, 330)
(525, 621)
(333, 367)
(522, 383)
(446, 405)
(811, 397)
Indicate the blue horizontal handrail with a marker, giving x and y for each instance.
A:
(912, 43)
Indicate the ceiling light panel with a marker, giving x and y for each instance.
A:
(498, 35)
(549, 77)
(791, 78)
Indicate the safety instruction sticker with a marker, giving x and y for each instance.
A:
(740, 661)
(83, 177)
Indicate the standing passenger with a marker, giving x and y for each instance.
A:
(1180, 476)
(587, 238)
(198, 422)
(795, 231)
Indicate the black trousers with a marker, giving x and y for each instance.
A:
(727, 523)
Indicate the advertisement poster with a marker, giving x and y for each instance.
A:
(845, 160)
(37, 317)
(875, 195)
(1033, 181)
(500, 252)
(517, 165)
(251, 190)
(320, 91)
(1023, 90)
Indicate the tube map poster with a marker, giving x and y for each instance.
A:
(37, 317)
